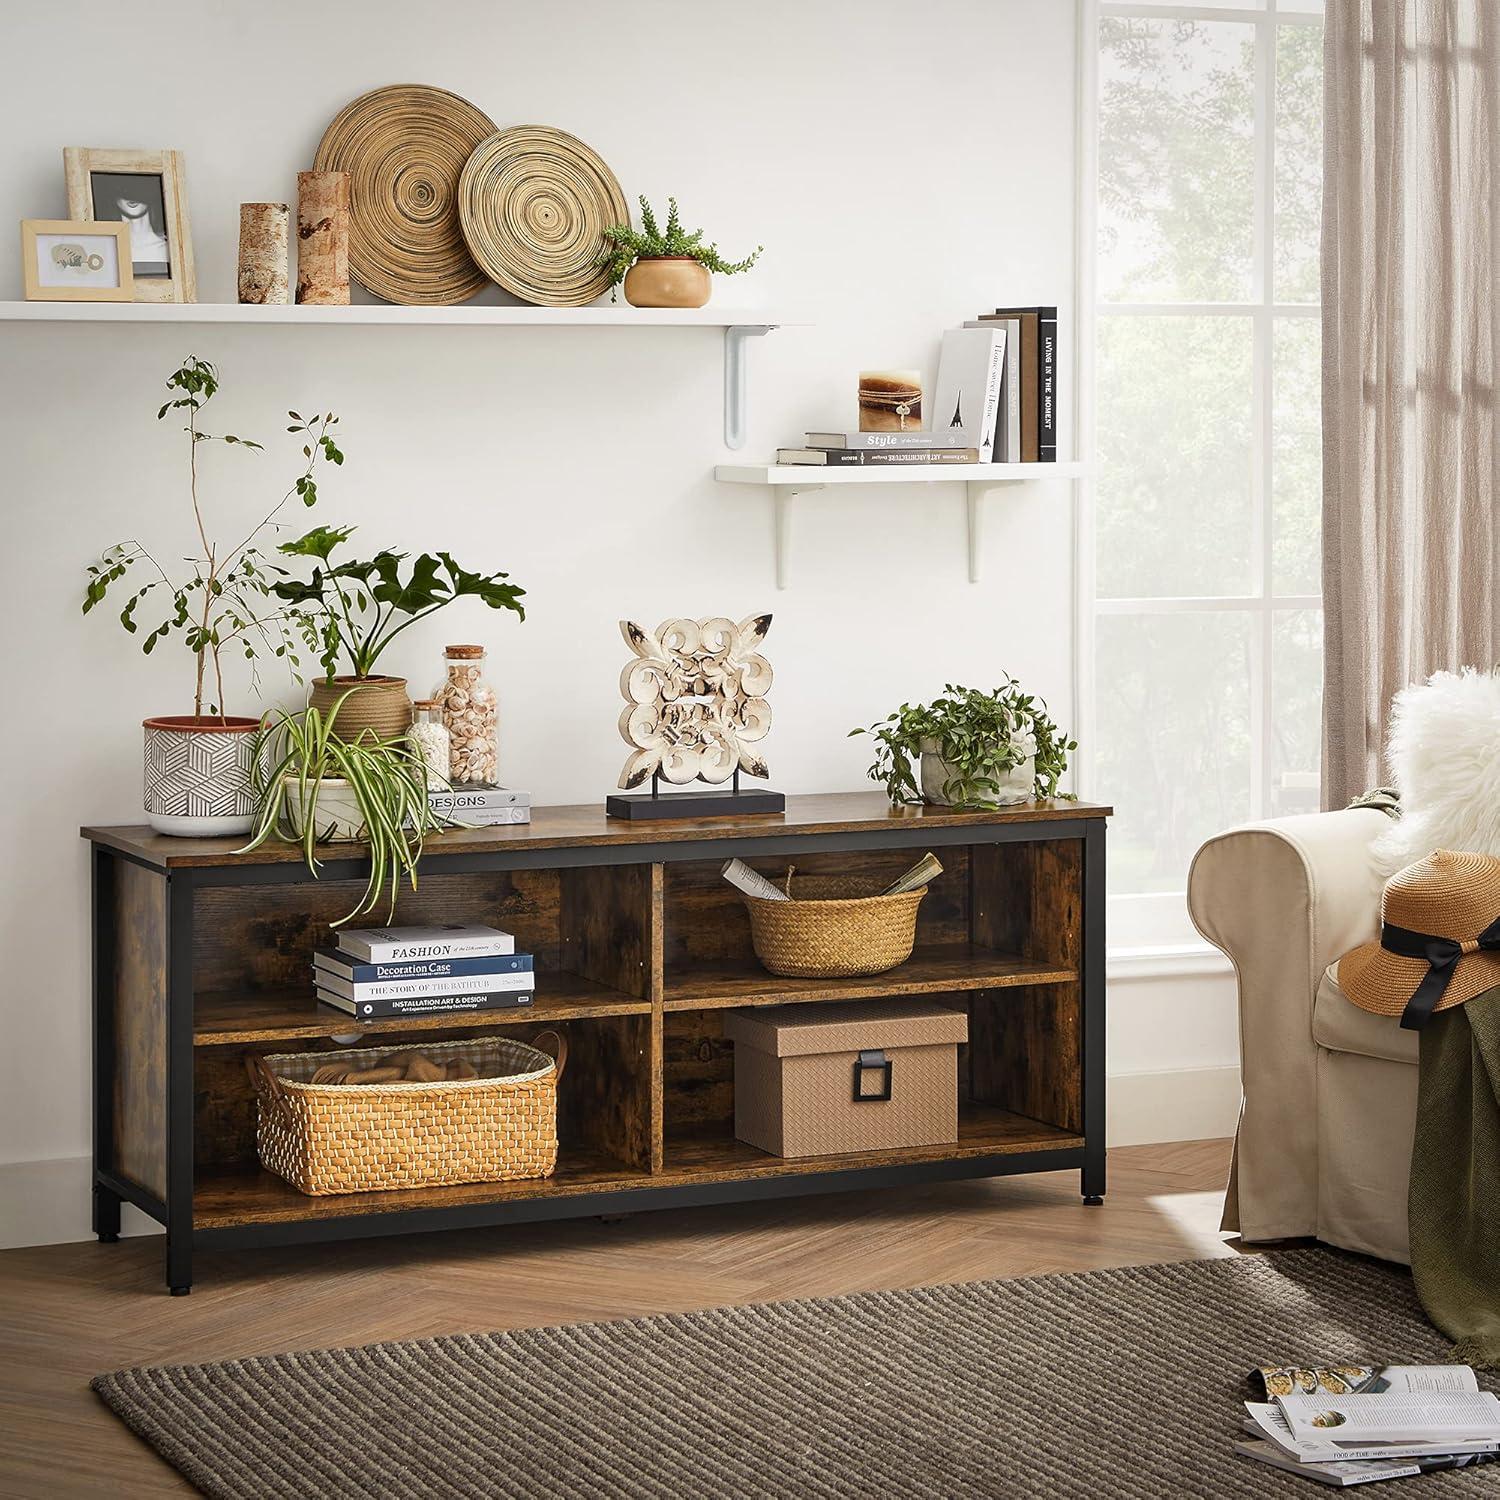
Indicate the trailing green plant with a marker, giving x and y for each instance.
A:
(388, 781)
(359, 608)
(650, 242)
(226, 600)
(981, 736)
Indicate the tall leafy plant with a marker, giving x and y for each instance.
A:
(981, 736)
(225, 600)
(651, 242)
(359, 608)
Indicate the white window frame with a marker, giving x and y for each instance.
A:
(1158, 922)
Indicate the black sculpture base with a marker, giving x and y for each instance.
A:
(719, 803)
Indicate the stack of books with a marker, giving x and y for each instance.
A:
(1343, 1425)
(480, 805)
(382, 973)
(996, 401)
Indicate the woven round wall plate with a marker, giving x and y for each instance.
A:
(404, 148)
(534, 203)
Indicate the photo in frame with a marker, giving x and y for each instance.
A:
(66, 262)
(146, 192)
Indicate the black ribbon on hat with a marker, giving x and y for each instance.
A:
(1442, 956)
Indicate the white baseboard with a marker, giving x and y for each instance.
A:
(1182, 1104)
(48, 1202)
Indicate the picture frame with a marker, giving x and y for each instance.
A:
(66, 261)
(145, 191)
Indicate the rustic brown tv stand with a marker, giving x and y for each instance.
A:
(202, 956)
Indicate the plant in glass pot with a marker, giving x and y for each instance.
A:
(971, 749)
(665, 267)
(359, 608)
(313, 786)
(198, 765)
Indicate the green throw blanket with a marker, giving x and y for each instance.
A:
(1453, 1202)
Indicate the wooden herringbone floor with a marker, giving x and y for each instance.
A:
(71, 1311)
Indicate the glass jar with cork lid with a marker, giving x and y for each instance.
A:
(469, 713)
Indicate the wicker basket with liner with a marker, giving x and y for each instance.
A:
(834, 926)
(354, 1138)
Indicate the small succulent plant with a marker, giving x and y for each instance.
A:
(651, 242)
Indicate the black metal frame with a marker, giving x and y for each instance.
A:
(176, 1213)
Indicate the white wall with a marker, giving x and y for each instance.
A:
(903, 171)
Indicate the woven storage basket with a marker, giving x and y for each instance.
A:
(354, 1138)
(834, 926)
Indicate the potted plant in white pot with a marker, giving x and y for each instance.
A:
(971, 749)
(359, 608)
(312, 786)
(666, 267)
(198, 765)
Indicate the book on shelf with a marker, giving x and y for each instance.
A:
(351, 971)
(398, 989)
(970, 374)
(386, 945)
(869, 441)
(423, 1005)
(476, 796)
(483, 817)
(1039, 378)
(872, 459)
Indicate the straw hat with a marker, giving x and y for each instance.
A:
(1439, 939)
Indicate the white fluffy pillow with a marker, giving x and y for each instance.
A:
(1444, 758)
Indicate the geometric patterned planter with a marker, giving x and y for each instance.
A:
(198, 775)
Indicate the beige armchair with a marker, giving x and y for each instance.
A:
(1329, 1091)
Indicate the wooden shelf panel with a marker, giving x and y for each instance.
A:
(237, 1196)
(930, 970)
(983, 1130)
(278, 1015)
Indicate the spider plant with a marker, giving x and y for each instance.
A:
(297, 754)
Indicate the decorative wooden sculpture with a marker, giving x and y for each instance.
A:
(695, 710)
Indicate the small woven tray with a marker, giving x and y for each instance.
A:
(834, 927)
(358, 1137)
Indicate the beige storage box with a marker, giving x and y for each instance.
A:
(819, 1080)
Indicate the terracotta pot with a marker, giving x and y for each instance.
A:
(198, 774)
(377, 703)
(668, 281)
(1016, 785)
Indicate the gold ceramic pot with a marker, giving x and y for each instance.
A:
(377, 703)
(668, 281)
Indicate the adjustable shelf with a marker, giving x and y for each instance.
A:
(738, 325)
(787, 481)
(202, 962)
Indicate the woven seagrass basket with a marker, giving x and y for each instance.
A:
(355, 1137)
(834, 926)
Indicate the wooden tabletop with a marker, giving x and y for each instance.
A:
(587, 825)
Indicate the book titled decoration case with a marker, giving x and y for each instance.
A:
(202, 958)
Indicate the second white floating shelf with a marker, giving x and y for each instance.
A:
(787, 481)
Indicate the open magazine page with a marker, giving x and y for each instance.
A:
(1269, 1381)
(1266, 1420)
(1463, 1416)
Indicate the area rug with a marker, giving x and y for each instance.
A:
(1109, 1383)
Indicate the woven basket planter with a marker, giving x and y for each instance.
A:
(834, 927)
(379, 704)
(356, 1138)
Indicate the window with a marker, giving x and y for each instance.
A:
(1199, 559)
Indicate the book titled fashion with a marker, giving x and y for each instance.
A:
(872, 441)
(423, 1005)
(857, 456)
(386, 945)
(351, 971)
(970, 371)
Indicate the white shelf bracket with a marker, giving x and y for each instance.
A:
(735, 382)
(974, 493)
(782, 496)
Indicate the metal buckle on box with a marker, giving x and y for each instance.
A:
(868, 1062)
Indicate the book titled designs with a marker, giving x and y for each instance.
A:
(385, 945)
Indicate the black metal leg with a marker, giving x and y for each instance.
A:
(106, 1214)
(180, 1070)
(1092, 1184)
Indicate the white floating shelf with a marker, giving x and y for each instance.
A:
(737, 324)
(786, 481)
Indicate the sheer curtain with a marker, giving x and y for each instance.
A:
(1411, 474)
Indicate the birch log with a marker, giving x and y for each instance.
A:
(323, 238)
(263, 253)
